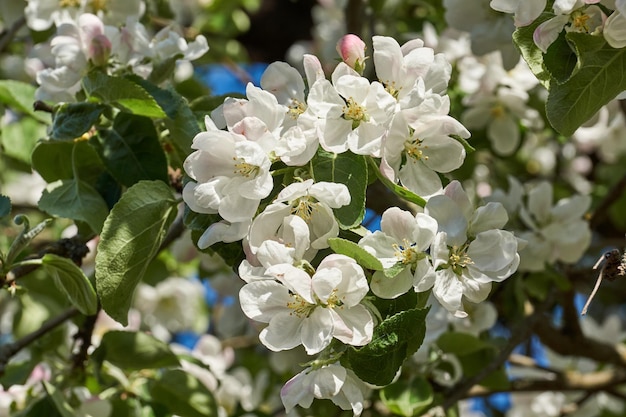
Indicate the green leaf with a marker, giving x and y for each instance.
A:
(395, 188)
(76, 200)
(72, 281)
(123, 93)
(407, 398)
(134, 351)
(20, 96)
(394, 340)
(523, 38)
(60, 404)
(19, 138)
(560, 60)
(474, 354)
(461, 343)
(600, 79)
(63, 160)
(5, 206)
(130, 238)
(183, 394)
(131, 150)
(348, 169)
(354, 251)
(71, 120)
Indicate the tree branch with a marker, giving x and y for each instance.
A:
(9, 34)
(9, 350)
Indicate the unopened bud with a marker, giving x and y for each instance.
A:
(100, 50)
(352, 51)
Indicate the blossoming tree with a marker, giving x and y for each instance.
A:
(410, 229)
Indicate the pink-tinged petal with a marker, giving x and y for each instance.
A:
(283, 332)
(547, 32)
(312, 69)
(297, 391)
(399, 224)
(317, 330)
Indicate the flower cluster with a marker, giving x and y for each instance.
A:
(84, 41)
(570, 16)
(252, 171)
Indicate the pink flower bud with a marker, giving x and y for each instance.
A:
(99, 50)
(352, 51)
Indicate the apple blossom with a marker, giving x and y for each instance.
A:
(615, 29)
(310, 310)
(526, 11)
(571, 16)
(352, 112)
(470, 251)
(230, 175)
(313, 202)
(557, 232)
(333, 382)
(403, 239)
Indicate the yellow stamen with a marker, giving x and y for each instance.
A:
(245, 169)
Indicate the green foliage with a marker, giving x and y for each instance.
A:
(130, 238)
(74, 199)
(395, 188)
(351, 249)
(407, 398)
(66, 160)
(71, 120)
(20, 96)
(123, 93)
(134, 351)
(394, 340)
(348, 169)
(5, 206)
(183, 394)
(130, 150)
(474, 355)
(64, 409)
(20, 137)
(71, 280)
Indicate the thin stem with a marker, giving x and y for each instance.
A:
(9, 350)
(9, 34)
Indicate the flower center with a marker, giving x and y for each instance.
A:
(300, 306)
(304, 208)
(497, 111)
(415, 149)
(579, 21)
(99, 5)
(296, 108)
(390, 87)
(458, 259)
(355, 112)
(69, 3)
(245, 169)
(407, 253)
(334, 300)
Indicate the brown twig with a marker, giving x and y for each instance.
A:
(523, 331)
(9, 350)
(9, 34)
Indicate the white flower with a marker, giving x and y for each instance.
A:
(333, 382)
(72, 47)
(414, 153)
(526, 11)
(557, 232)
(469, 251)
(615, 30)
(501, 113)
(310, 310)
(573, 16)
(313, 202)
(352, 112)
(42, 14)
(174, 304)
(231, 175)
(403, 239)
